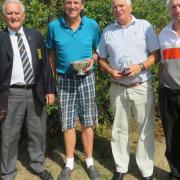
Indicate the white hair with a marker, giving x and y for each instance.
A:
(168, 3)
(12, 1)
(128, 2)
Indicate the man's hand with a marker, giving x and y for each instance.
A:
(50, 99)
(116, 74)
(3, 114)
(133, 70)
(90, 63)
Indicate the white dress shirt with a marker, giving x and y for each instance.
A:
(17, 69)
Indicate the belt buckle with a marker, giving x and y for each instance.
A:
(74, 76)
(134, 84)
(26, 86)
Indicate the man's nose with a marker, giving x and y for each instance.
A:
(177, 8)
(72, 5)
(13, 15)
(118, 8)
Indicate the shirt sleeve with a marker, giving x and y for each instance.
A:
(151, 38)
(50, 37)
(101, 49)
(96, 35)
(162, 38)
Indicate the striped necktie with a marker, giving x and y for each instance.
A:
(28, 72)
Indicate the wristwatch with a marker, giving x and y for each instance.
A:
(142, 66)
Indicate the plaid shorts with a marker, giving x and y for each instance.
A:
(77, 101)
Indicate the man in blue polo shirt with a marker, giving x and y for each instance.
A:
(131, 47)
(69, 39)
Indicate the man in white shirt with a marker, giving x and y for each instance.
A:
(26, 85)
(131, 47)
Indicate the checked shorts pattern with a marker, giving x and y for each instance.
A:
(77, 101)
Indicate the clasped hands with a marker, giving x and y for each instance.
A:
(131, 71)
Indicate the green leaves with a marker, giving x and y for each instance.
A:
(52, 109)
(100, 11)
(153, 10)
(39, 13)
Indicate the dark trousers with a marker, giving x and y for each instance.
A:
(22, 107)
(170, 114)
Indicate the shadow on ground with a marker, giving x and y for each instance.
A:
(102, 154)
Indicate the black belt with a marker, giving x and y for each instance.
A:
(27, 86)
(170, 91)
(71, 76)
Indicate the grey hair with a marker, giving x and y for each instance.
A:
(128, 2)
(168, 3)
(81, 1)
(12, 1)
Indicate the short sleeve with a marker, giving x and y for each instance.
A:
(151, 38)
(50, 37)
(101, 49)
(96, 35)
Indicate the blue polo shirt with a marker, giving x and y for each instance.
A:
(72, 45)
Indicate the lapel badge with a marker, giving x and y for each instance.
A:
(39, 54)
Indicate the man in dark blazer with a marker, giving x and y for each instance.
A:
(26, 85)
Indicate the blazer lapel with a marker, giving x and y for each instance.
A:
(8, 44)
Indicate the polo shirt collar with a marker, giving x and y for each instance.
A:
(66, 26)
(133, 20)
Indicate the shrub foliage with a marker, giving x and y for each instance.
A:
(40, 12)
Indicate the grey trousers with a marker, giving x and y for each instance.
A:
(22, 106)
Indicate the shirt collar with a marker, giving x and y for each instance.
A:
(133, 20)
(12, 32)
(66, 26)
(169, 27)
